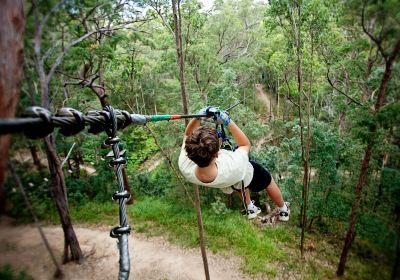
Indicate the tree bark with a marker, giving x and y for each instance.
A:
(352, 221)
(181, 62)
(12, 27)
(58, 189)
(36, 159)
(306, 178)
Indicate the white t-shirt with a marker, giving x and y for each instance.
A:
(233, 167)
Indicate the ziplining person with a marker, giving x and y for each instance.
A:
(202, 162)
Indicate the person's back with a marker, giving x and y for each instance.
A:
(203, 163)
(231, 167)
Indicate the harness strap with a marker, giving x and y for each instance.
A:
(226, 141)
(242, 191)
(244, 197)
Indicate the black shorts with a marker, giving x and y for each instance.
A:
(261, 178)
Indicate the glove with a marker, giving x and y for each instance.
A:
(206, 111)
(223, 118)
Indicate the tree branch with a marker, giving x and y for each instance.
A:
(91, 11)
(289, 92)
(73, 43)
(99, 90)
(341, 92)
(387, 76)
(154, 5)
(378, 42)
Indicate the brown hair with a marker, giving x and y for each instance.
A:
(202, 145)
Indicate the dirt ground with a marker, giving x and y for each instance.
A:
(151, 258)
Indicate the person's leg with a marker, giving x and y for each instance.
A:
(262, 179)
(275, 194)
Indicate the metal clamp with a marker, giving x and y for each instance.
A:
(118, 231)
(119, 195)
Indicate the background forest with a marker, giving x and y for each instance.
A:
(319, 85)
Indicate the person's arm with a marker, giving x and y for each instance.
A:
(193, 124)
(241, 139)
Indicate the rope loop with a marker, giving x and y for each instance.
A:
(118, 231)
(96, 125)
(71, 126)
(125, 120)
(117, 161)
(111, 141)
(46, 128)
(111, 120)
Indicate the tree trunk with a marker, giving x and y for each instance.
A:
(58, 189)
(367, 155)
(297, 32)
(270, 107)
(352, 221)
(12, 27)
(277, 99)
(36, 159)
(306, 178)
(181, 62)
(342, 120)
(76, 167)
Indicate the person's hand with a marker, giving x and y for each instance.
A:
(223, 118)
(208, 111)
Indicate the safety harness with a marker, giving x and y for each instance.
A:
(227, 145)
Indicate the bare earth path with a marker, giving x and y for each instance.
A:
(263, 97)
(151, 258)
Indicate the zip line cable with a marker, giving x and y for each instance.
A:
(37, 122)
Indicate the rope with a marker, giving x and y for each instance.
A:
(244, 197)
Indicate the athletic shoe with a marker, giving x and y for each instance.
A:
(252, 212)
(284, 215)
